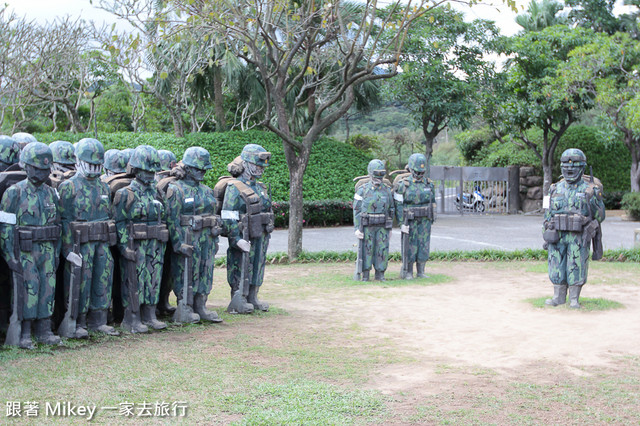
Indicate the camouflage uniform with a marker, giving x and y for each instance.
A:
(138, 209)
(573, 204)
(33, 207)
(9, 155)
(64, 162)
(234, 206)
(85, 209)
(373, 212)
(193, 231)
(414, 196)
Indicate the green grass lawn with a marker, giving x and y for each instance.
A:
(280, 368)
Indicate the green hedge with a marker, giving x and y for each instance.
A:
(317, 213)
(329, 175)
(631, 203)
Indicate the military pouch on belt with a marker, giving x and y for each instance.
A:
(551, 234)
(568, 222)
(29, 235)
(26, 242)
(374, 219)
(422, 212)
(142, 231)
(113, 233)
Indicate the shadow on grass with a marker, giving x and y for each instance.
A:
(588, 304)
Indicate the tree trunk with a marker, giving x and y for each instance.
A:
(218, 100)
(346, 125)
(74, 117)
(297, 164)
(547, 171)
(633, 144)
(178, 127)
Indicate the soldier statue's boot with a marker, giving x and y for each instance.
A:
(185, 315)
(81, 327)
(258, 305)
(365, 274)
(25, 335)
(380, 276)
(420, 270)
(164, 307)
(559, 295)
(131, 322)
(44, 334)
(574, 296)
(409, 273)
(148, 313)
(200, 308)
(97, 321)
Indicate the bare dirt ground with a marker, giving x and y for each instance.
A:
(475, 336)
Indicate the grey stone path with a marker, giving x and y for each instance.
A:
(454, 232)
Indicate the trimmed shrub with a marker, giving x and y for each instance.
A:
(329, 174)
(317, 213)
(631, 203)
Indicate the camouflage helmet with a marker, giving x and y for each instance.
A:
(573, 156)
(145, 157)
(417, 163)
(166, 158)
(24, 138)
(126, 154)
(114, 161)
(197, 157)
(90, 150)
(36, 154)
(255, 154)
(63, 152)
(376, 168)
(9, 150)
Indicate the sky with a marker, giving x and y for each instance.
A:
(47, 10)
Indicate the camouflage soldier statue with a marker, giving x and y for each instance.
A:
(193, 230)
(168, 159)
(114, 163)
(248, 222)
(87, 232)
(30, 240)
(373, 213)
(142, 237)
(414, 197)
(571, 222)
(9, 156)
(23, 139)
(64, 162)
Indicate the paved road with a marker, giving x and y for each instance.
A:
(454, 232)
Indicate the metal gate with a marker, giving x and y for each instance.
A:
(483, 190)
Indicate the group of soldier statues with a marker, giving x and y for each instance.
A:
(411, 201)
(574, 211)
(78, 242)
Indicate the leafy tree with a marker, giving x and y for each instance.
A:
(594, 14)
(606, 70)
(541, 15)
(310, 58)
(442, 67)
(532, 94)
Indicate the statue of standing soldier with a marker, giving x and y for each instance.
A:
(87, 232)
(571, 222)
(64, 162)
(248, 221)
(142, 237)
(193, 230)
(373, 212)
(414, 197)
(30, 241)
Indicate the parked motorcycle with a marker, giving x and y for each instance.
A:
(474, 201)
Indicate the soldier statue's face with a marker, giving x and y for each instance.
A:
(255, 170)
(35, 175)
(195, 173)
(144, 177)
(571, 172)
(418, 176)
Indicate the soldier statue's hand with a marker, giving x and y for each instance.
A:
(75, 259)
(404, 229)
(244, 245)
(359, 235)
(14, 265)
(186, 250)
(129, 254)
